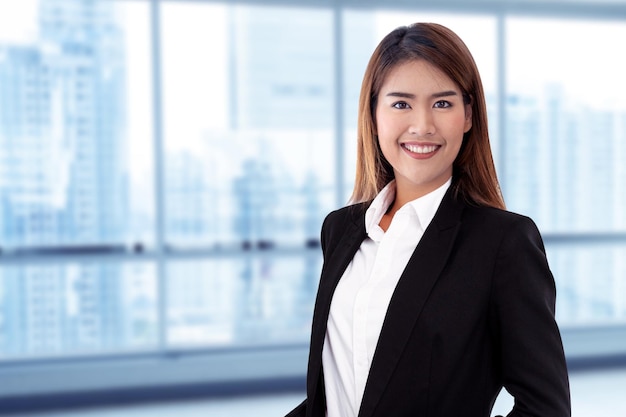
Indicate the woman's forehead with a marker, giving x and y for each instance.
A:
(417, 74)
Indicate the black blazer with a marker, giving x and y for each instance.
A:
(472, 312)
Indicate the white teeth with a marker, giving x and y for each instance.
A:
(420, 149)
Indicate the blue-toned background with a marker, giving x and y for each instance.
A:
(165, 167)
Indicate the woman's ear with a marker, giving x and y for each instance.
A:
(468, 118)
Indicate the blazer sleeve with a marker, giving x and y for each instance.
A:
(523, 297)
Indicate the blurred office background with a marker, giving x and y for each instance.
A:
(165, 167)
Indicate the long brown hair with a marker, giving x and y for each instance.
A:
(474, 176)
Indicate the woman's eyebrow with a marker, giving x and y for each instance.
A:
(412, 96)
(399, 94)
(444, 94)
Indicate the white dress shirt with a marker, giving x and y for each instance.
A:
(362, 296)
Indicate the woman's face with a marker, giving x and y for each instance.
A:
(421, 119)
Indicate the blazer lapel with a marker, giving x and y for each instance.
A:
(334, 267)
(409, 297)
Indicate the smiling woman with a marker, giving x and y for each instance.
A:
(406, 320)
(461, 77)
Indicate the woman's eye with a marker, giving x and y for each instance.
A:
(402, 105)
(442, 104)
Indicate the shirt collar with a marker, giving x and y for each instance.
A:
(425, 207)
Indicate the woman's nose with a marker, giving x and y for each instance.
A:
(422, 123)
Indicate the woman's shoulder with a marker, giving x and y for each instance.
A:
(338, 221)
(500, 218)
(352, 212)
(501, 230)
(348, 219)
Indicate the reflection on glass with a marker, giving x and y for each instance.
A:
(248, 123)
(70, 309)
(566, 124)
(74, 124)
(254, 300)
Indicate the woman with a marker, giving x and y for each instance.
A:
(432, 297)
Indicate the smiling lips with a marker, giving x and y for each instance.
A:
(420, 151)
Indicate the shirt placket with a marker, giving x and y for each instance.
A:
(380, 270)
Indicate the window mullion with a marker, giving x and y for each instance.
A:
(339, 113)
(159, 173)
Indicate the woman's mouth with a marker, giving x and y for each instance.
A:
(420, 150)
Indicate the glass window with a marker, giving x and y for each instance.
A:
(564, 153)
(591, 285)
(251, 301)
(75, 124)
(75, 309)
(566, 124)
(76, 174)
(248, 121)
(248, 141)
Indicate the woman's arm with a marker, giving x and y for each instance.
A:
(533, 363)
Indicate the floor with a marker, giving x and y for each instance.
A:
(597, 393)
